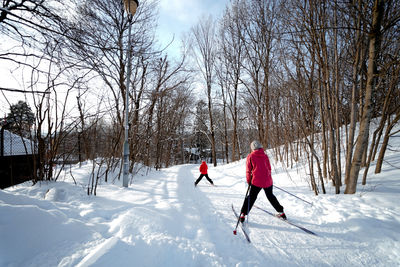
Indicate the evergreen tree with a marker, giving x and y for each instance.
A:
(20, 119)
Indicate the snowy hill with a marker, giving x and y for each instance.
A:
(163, 220)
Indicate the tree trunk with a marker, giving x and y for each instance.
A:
(213, 148)
(362, 139)
(385, 142)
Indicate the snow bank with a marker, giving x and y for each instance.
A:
(163, 220)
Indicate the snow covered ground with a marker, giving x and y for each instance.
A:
(163, 220)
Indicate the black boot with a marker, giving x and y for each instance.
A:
(242, 217)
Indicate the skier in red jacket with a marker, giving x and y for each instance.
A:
(203, 172)
(258, 175)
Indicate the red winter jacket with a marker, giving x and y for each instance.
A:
(258, 169)
(203, 168)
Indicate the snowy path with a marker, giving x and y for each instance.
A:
(163, 220)
(175, 225)
(179, 225)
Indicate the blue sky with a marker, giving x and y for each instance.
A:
(178, 16)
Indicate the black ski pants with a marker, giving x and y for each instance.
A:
(201, 177)
(254, 190)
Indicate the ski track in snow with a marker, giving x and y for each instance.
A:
(163, 220)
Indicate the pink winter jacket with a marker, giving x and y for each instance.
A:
(258, 169)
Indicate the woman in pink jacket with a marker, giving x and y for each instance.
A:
(258, 175)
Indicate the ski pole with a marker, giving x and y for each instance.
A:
(248, 208)
(293, 195)
(237, 223)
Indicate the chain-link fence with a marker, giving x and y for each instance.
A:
(13, 145)
(17, 160)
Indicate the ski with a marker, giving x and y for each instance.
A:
(289, 222)
(241, 225)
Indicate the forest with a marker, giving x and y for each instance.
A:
(304, 77)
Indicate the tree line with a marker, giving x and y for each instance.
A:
(303, 75)
(306, 78)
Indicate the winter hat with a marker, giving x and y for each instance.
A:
(255, 145)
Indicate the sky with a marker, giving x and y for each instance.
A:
(162, 220)
(176, 17)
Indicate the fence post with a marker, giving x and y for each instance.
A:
(2, 141)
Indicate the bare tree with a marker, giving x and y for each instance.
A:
(231, 50)
(205, 53)
(357, 58)
(260, 40)
(375, 35)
